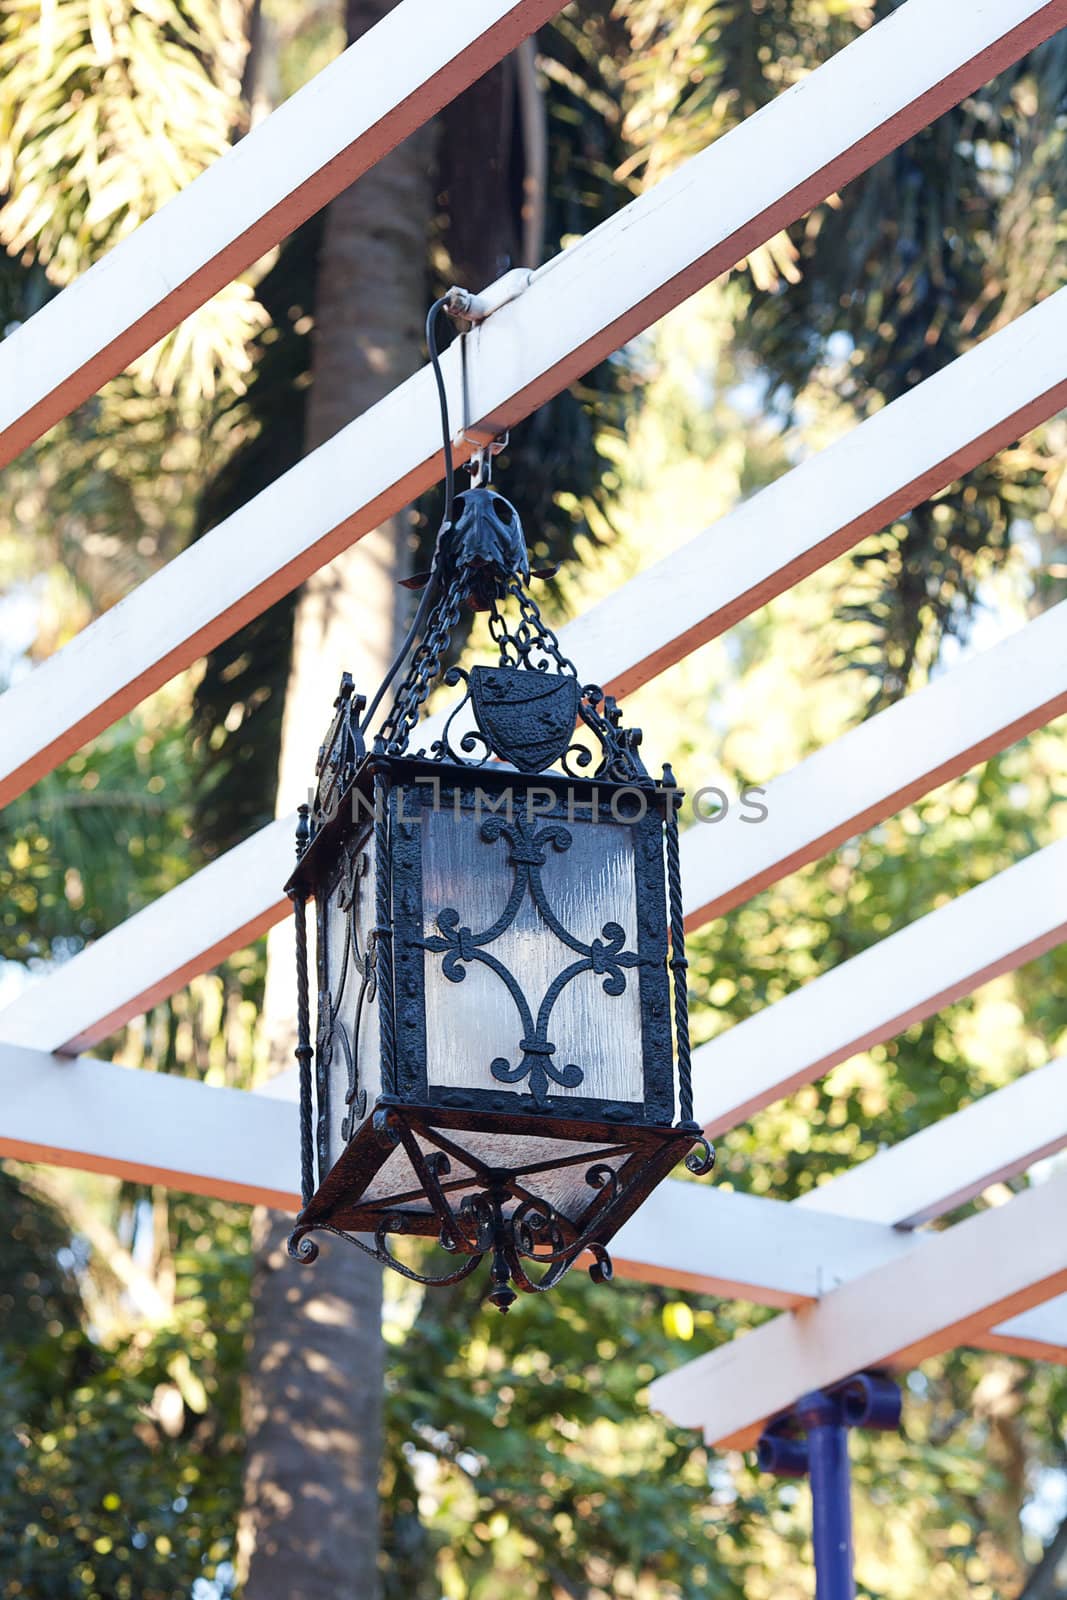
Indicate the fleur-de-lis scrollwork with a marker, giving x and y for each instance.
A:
(605, 956)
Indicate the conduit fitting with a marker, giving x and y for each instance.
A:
(474, 308)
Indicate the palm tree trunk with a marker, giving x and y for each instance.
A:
(314, 1383)
(1043, 1584)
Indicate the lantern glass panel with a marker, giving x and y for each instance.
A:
(542, 921)
(349, 1055)
(563, 1186)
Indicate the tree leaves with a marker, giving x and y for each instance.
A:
(106, 112)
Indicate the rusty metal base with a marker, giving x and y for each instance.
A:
(475, 1209)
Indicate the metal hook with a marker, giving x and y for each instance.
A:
(487, 443)
(480, 465)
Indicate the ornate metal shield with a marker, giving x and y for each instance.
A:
(527, 716)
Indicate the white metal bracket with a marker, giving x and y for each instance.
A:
(472, 310)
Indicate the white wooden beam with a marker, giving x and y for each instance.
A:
(1037, 1335)
(982, 706)
(1013, 918)
(158, 950)
(950, 1162)
(382, 88)
(707, 1240)
(992, 1267)
(579, 307)
(151, 1127)
(156, 1128)
(962, 718)
(675, 1241)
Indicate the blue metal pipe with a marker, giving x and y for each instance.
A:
(823, 1418)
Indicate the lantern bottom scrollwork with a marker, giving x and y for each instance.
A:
(427, 1172)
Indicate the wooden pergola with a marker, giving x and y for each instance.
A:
(860, 1282)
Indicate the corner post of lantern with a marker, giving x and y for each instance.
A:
(381, 954)
(678, 964)
(305, 1054)
(811, 1440)
(501, 1051)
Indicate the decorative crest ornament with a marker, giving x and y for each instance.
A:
(527, 718)
(500, 947)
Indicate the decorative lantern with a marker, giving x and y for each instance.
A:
(493, 1064)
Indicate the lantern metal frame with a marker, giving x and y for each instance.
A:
(641, 1137)
(517, 736)
(626, 1147)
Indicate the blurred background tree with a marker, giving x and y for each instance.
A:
(519, 1457)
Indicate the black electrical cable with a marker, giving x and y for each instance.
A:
(446, 430)
(429, 593)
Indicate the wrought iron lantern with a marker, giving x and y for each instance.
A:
(499, 929)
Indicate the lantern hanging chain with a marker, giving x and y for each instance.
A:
(531, 637)
(430, 591)
(415, 686)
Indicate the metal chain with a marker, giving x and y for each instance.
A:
(425, 667)
(530, 643)
(530, 637)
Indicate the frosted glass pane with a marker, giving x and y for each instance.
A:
(350, 917)
(473, 1022)
(396, 1175)
(565, 1188)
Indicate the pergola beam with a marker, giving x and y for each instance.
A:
(1012, 918)
(945, 1292)
(1037, 1335)
(384, 87)
(579, 308)
(158, 950)
(150, 1127)
(157, 1128)
(952, 1161)
(955, 722)
(706, 1240)
(95, 1116)
(981, 706)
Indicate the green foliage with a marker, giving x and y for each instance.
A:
(40, 1297)
(106, 112)
(95, 840)
(933, 852)
(119, 1452)
(940, 243)
(519, 1443)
